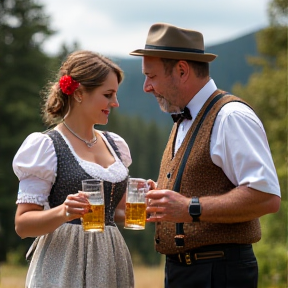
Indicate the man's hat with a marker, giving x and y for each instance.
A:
(168, 41)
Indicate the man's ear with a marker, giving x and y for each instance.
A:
(183, 69)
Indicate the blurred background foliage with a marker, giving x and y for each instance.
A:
(25, 69)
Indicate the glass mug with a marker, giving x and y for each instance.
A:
(135, 210)
(94, 219)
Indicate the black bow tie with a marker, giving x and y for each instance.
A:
(185, 114)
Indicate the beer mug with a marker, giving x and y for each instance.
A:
(135, 210)
(94, 220)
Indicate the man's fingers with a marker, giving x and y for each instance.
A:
(155, 194)
(152, 184)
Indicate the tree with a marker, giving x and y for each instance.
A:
(23, 71)
(267, 92)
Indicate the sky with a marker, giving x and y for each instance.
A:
(116, 27)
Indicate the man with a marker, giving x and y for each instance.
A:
(217, 175)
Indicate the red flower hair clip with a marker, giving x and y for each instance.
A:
(68, 85)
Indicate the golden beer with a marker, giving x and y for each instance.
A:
(135, 216)
(94, 220)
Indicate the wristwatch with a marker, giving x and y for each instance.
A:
(194, 209)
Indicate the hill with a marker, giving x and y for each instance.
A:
(227, 69)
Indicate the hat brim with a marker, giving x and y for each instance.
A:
(205, 57)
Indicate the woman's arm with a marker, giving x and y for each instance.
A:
(32, 221)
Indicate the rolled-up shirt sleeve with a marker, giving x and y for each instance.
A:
(239, 146)
(35, 165)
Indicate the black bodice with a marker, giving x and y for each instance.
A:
(70, 174)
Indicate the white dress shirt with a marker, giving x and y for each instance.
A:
(238, 143)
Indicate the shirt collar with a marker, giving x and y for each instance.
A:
(201, 97)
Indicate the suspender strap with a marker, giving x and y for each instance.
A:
(179, 238)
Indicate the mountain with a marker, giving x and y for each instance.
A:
(231, 65)
(227, 69)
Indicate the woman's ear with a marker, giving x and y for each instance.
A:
(78, 95)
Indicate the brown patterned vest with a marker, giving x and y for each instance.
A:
(201, 177)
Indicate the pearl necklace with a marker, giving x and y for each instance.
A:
(89, 144)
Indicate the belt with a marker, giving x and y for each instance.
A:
(212, 253)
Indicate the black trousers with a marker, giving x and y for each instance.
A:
(236, 267)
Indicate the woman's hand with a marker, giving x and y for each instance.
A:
(76, 205)
(32, 220)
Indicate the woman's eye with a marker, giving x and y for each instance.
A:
(108, 95)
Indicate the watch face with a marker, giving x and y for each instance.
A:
(195, 207)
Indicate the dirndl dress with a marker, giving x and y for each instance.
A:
(69, 257)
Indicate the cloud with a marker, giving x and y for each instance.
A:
(118, 27)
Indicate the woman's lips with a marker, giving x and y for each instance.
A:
(106, 112)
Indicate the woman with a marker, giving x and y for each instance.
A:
(51, 166)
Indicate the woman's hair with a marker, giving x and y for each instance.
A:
(88, 68)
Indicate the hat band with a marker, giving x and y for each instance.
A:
(175, 49)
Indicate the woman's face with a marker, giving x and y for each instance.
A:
(98, 103)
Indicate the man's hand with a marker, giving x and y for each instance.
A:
(167, 205)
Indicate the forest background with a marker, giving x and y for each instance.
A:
(253, 67)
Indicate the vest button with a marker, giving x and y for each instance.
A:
(168, 175)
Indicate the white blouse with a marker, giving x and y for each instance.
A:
(238, 145)
(35, 165)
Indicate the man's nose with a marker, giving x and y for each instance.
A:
(147, 87)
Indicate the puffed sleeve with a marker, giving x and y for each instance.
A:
(35, 165)
(123, 149)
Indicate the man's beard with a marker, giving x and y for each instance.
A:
(166, 106)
